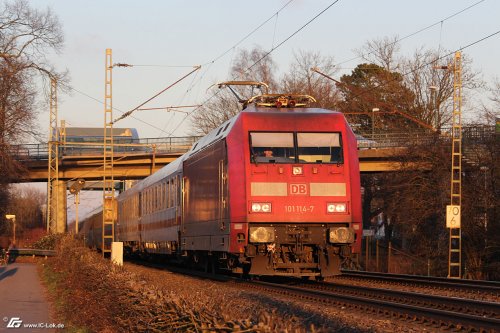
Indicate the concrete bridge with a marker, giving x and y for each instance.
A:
(137, 162)
(378, 153)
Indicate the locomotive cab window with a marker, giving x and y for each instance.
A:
(272, 147)
(319, 148)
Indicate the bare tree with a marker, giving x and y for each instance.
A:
(253, 65)
(26, 36)
(26, 204)
(301, 80)
(223, 106)
(491, 112)
(433, 87)
(382, 52)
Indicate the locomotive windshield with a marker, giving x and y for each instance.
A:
(288, 147)
(319, 147)
(272, 147)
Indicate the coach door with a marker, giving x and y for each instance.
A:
(223, 190)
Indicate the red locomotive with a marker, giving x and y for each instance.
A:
(273, 191)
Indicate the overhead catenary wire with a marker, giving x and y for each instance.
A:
(128, 113)
(114, 108)
(263, 57)
(209, 64)
(250, 33)
(206, 69)
(417, 32)
(432, 62)
(293, 34)
(403, 74)
(192, 84)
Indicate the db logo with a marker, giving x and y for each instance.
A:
(298, 189)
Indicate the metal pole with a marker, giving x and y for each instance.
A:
(377, 254)
(77, 201)
(14, 236)
(373, 123)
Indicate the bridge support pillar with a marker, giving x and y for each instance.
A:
(62, 206)
(60, 201)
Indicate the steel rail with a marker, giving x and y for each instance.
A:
(451, 319)
(469, 285)
(415, 313)
(462, 305)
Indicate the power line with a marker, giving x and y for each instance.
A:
(164, 66)
(210, 63)
(128, 113)
(114, 108)
(431, 62)
(249, 34)
(192, 84)
(259, 60)
(418, 31)
(293, 34)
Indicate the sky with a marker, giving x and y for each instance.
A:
(157, 35)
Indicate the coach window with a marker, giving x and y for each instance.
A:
(163, 195)
(271, 147)
(172, 192)
(319, 148)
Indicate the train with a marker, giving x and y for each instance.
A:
(274, 191)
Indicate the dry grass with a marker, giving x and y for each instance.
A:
(93, 295)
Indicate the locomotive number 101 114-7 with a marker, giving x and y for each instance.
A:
(301, 209)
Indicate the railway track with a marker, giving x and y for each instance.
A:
(438, 312)
(434, 311)
(462, 305)
(473, 287)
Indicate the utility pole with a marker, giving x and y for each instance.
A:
(109, 203)
(53, 171)
(453, 211)
(75, 190)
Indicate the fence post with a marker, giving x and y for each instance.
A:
(366, 253)
(377, 255)
(389, 258)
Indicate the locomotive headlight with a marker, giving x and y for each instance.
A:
(338, 207)
(256, 207)
(261, 207)
(297, 170)
(341, 235)
(266, 207)
(261, 234)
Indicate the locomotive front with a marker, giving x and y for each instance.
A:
(300, 194)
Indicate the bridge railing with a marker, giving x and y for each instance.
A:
(30, 151)
(183, 144)
(140, 146)
(470, 134)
